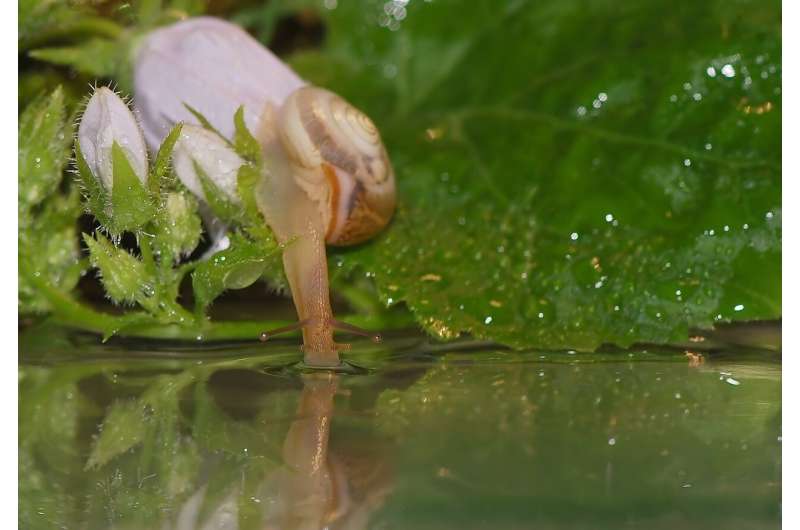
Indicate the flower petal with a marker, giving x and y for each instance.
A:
(106, 120)
(215, 157)
(213, 66)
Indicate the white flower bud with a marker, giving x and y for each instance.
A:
(213, 66)
(106, 120)
(215, 157)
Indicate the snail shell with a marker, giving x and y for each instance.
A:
(337, 157)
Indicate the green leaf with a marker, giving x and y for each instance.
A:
(96, 57)
(44, 21)
(124, 277)
(216, 198)
(132, 206)
(178, 225)
(245, 145)
(48, 248)
(123, 428)
(236, 267)
(47, 237)
(246, 183)
(44, 138)
(204, 122)
(50, 461)
(95, 197)
(162, 164)
(565, 185)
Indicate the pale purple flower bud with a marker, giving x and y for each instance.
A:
(213, 66)
(199, 147)
(106, 120)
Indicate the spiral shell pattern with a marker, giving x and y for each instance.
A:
(338, 158)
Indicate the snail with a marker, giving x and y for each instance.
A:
(329, 180)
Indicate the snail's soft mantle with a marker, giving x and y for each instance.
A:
(328, 178)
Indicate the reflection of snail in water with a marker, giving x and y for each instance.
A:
(318, 486)
(329, 178)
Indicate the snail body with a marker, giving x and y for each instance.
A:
(328, 177)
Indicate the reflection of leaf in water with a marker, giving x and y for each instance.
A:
(510, 434)
(50, 463)
(123, 428)
(569, 173)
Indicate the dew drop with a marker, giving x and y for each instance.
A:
(728, 71)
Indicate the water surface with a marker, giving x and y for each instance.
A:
(162, 435)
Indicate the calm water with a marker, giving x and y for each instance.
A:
(157, 435)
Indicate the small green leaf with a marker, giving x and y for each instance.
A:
(132, 206)
(246, 184)
(244, 143)
(123, 428)
(236, 267)
(162, 163)
(205, 123)
(44, 137)
(216, 198)
(94, 195)
(178, 225)
(124, 277)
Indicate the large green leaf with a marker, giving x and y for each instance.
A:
(570, 173)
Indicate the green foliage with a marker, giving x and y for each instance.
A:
(45, 20)
(93, 39)
(161, 169)
(570, 174)
(44, 140)
(203, 121)
(129, 205)
(132, 206)
(243, 142)
(49, 461)
(47, 242)
(217, 201)
(125, 278)
(179, 225)
(142, 460)
(95, 57)
(236, 267)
